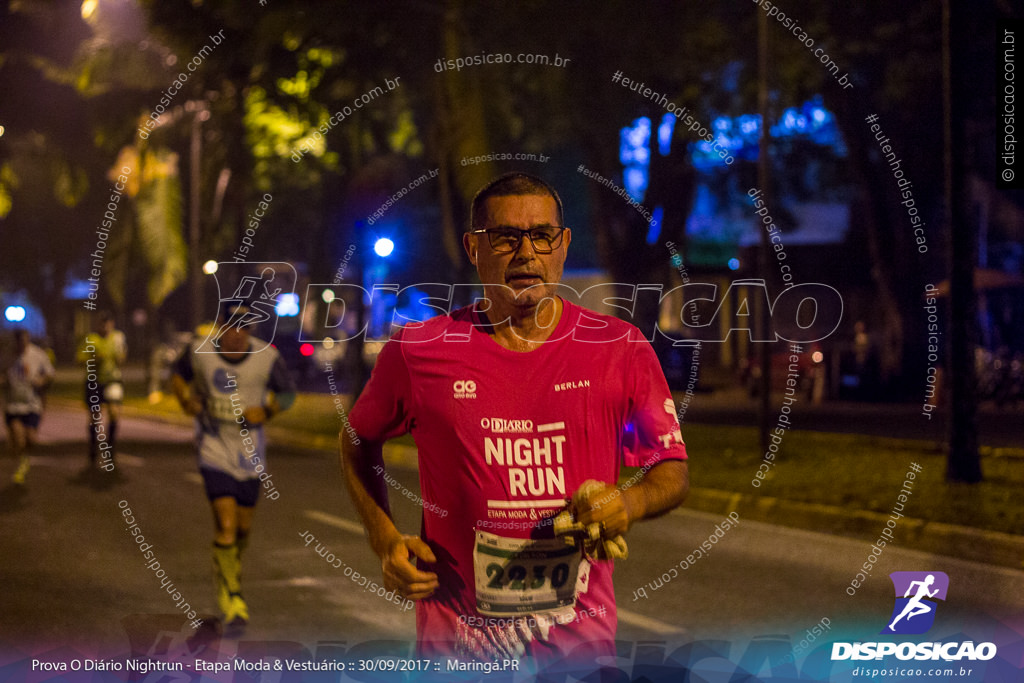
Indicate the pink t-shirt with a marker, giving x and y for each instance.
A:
(505, 438)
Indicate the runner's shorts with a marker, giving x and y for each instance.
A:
(220, 485)
(30, 420)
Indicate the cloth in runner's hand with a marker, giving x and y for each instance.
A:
(594, 544)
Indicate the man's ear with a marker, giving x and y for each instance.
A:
(469, 243)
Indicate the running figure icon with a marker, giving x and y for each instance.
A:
(256, 312)
(916, 606)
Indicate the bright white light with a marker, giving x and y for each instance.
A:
(210, 267)
(383, 247)
(14, 314)
(327, 295)
(287, 305)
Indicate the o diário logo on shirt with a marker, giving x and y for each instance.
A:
(464, 388)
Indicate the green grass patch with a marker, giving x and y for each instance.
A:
(858, 473)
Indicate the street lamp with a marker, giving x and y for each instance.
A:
(383, 247)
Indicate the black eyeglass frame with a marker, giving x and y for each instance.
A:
(493, 232)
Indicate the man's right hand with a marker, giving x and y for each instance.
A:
(402, 575)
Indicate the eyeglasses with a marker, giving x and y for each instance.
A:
(544, 239)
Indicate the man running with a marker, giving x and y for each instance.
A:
(515, 406)
(103, 352)
(916, 605)
(27, 377)
(232, 392)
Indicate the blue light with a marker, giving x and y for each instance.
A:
(76, 289)
(676, 260)
(634, 140)
(383, 247)
(668, 124)
(14, 314)
(635, 156)
(749, 124)
(654, 227)
(741, 135)
(734, 264)
(635, 181)
(789, 119)
(287, 305)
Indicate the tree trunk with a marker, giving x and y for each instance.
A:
(964, 463)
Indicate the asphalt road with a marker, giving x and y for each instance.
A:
(72, 576)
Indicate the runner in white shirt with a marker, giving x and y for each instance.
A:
(26, 378)
(232, 392)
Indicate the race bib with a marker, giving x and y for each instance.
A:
(221, 408)
(520, 575)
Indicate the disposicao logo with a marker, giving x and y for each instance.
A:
(916, 595)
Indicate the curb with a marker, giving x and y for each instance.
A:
(966, 543)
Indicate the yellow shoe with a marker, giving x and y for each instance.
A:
(223, 598)
(21, 472)
(226, 569)
(239, 612)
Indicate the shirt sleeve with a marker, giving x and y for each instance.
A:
(281, 380)
(46, 368)
(657, 436)
(384, 409)
(282, 383)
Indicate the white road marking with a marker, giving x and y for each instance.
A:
(337, 522)
(648, 623)
(296, 581)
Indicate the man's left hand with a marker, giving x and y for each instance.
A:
(612, 508)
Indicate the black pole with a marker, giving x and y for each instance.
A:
(764, 349)
(964, 463)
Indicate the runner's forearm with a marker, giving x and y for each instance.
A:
(368, 490)
(663, 488)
